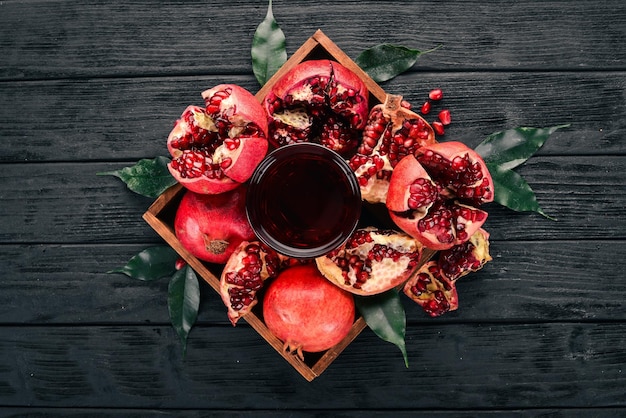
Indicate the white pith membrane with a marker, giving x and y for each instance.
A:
(375, 191)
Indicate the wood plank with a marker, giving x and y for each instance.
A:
(69, 203)
(527, 281)
(358, 413)
(79, 120)
(93, 38)
(478, 366)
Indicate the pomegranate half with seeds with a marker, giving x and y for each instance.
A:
(433, 196)
(216, 148)
(393, 131)
(371, 261)
(318, 101)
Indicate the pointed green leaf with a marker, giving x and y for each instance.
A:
(183, 301)
(148, 178)
(385, 61)
(513, 192)
(384, 314)
(150, 264)
(510, 148)
(268, 48)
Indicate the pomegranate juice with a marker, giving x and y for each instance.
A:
(303, 200)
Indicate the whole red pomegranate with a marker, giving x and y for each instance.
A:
(371, 261)
(432, 195)
(306, 311)
(211, 226)
(318, 101)
(217, 148)
(392, 132)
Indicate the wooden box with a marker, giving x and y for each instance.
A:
(161, 214)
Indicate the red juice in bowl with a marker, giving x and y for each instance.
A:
(303, 200)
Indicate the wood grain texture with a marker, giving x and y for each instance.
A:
(95, 86)
(14, 412)
(49, 120)
(527, 281)
(477, 365)
(96, 38)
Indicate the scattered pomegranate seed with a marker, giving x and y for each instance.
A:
(180, 263)
(425, 109)
(435, 94)
(444, 117)
(438, 128)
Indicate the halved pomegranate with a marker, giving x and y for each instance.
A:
(217, 148)
(432, 291)
(371, 261)
(318, 101)
(392, 132)
(432, 196)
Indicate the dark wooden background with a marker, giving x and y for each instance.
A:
(94, 86)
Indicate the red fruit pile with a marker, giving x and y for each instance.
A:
(431, 190)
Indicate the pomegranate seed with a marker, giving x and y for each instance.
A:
(438, 128)
(425, 109)
(180, 263)
(435, 94)
(226, 162)
(444, 117)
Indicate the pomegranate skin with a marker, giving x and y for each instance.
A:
(306, 311)
(211, 227)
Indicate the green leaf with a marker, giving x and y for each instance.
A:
(513, 192)
(385, 61)
(183, 301)
(148, 178)
(510, 148)
(384, 314)
(150, 264)
(268, 48)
